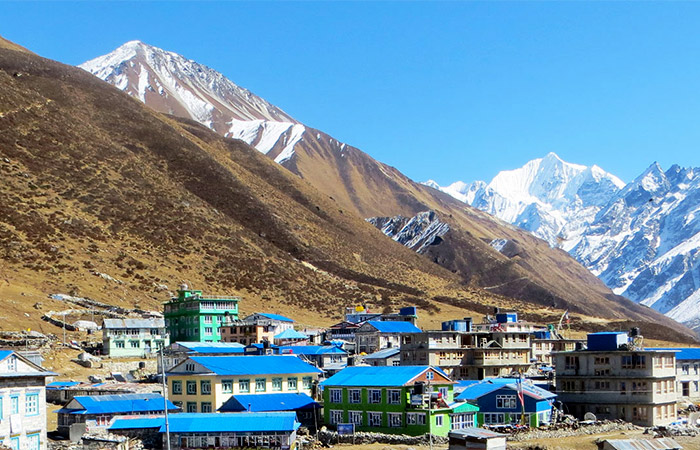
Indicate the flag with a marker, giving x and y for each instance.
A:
(566, 316)
(520, 390)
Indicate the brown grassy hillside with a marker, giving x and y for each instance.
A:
(94, 182)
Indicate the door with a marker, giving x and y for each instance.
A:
(686, 388)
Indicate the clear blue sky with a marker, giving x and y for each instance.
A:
(442, 90)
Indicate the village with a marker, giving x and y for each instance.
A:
(199, 376)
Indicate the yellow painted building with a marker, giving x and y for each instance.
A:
(205, 383)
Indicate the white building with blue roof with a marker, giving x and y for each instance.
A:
(204, 383)
(22, 402)
(375, 335)
(687, 372)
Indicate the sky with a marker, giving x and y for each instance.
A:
(449, 91)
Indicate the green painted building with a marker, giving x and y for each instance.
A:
(411, 400)
(191, 316)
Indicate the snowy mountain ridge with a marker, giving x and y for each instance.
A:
(173, 84)
(642, 239)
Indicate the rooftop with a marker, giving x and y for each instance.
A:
(378, 375)
(232, 422)
(117, 403)
(133, 323)
(385, 353)
(252, 365)
(393, 327)
(268, 402)
(489, 385)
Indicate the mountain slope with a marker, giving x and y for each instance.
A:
(537, 274)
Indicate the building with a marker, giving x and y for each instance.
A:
(687, 372)
(180, 351)
(195, 431)
(191, 316)
(410, 400)
(255, 328)
(205, 383)
(615, 379)
(375, 335)
(545, 343)
(342, 331)
(136, 338)
(291, 337)
(22, 402)
(307, 409)
(101, 409)
(639, 444)
(476, 439)
(361, 314)
(501, 351)
(387, 357)
(499, 402)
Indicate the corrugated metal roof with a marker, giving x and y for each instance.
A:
(269, 402)
(232, 422)
(480, 433)
(134, 323)
(393, 326)
(118, 403)
(684, 353)
(61, 384)
(386, 353)
(211, 347)
(254, 365)
(643, 444)
(376, 375)
(276, 317)
(312, 350)
(290, 334)
(5, 353)
(137, 422)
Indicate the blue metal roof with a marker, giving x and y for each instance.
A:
(61, 384)
(213, 347)
(269, 402)
(254, 365)
(232, 422)
(684, 353)
(137, 422)
(312, 350)
(4, 354)
(386, 353)
(276, 317)
(604, 333)
(490, 385)
(118, 403)
(393, 326)
(376, 375)
(290, 334)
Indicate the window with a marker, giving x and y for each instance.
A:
(191, 388)
(429, 375)
(438, 420)
(134, 344)
(639, 412)
(306, 382)
(260, 385)
(119, 344)
(292, 383)
(460, 421)
(206, 407)
(375, 396)
(355, 395)
(601, 361)
(506, 402)
(515, 418)
(208, 331)
(686, 369)
(191, 407)
(14, 443)
(189, 367)
(207, 319)
(394, 396)
(355, 417)
(14, 404)
(415, 419)
(336, 395)
(12, 364)
(443, 391)
(374, 419)
(602, 385)
(571, 362)
(31, 405)
(244, 386)
(601, 372)
(205, 385)
(277, 384)
(177, 387)
(396, 362)
(227, 386)
(494, 418)
(395, 420)
(623, 388)
(634, 361)
(336, 417)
